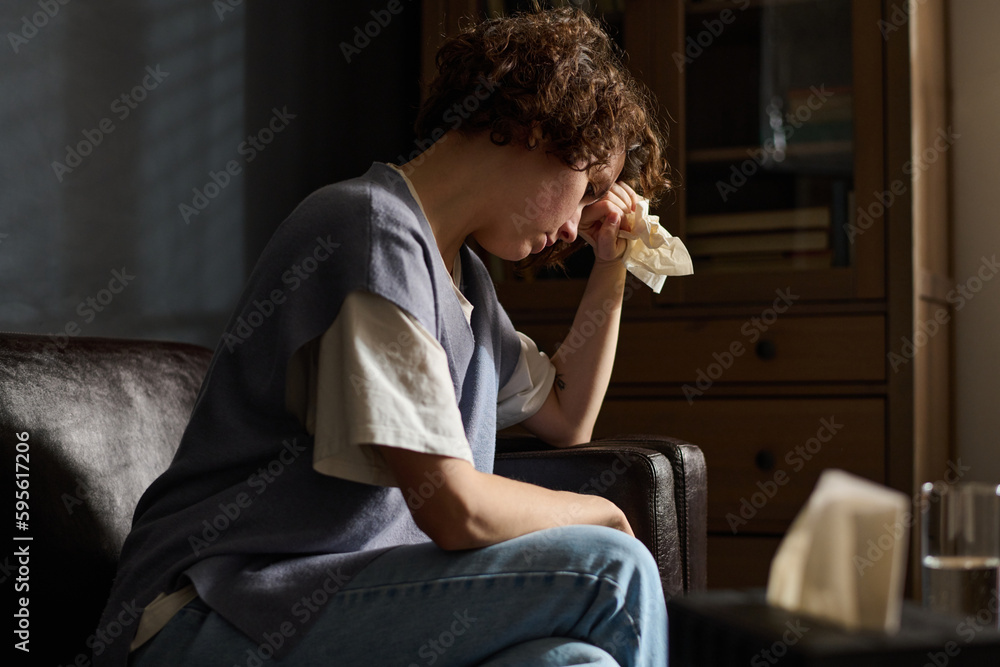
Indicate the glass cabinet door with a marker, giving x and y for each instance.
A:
(770, 152)
(775, 122)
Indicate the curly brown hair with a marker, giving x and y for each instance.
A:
(554, 69)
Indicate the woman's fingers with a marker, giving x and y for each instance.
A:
(600, 221)
(630, 192)
(620, 198)
(627, 199)
(599, 225)
(599, 210)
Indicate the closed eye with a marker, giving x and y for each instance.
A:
(593, 195)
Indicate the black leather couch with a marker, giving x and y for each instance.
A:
(102, 418)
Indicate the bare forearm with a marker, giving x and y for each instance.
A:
(470, 509)
(505, 509)
(586, 356)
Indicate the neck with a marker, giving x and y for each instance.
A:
(452, 178)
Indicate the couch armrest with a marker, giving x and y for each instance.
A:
(658, 482)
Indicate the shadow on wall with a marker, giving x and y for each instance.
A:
(149, 148)
(350, 73)
(112, 115)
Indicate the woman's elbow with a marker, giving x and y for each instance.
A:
(571, 437)
(450, 523)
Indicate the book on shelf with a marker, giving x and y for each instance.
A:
(811, 239)
(753, 262)
(817, 217)
(820, 105)
(821, 114)
(812, 133)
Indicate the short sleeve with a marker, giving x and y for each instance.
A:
(382, 379)
(528, 386)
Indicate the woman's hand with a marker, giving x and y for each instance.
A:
(601, 221)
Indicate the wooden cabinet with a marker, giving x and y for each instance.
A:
(789, 124)
(699, 353)
(774, 449)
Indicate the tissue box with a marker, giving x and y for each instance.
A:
(823, 567)
(734, 628)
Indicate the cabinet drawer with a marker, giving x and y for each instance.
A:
(791, 349)
(763, 456)
(740, 562)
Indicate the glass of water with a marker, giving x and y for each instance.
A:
(960, 548)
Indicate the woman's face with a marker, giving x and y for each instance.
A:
(543, 201)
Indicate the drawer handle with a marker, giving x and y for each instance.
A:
(764, 460)
(766, 350)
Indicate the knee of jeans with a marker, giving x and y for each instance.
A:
(615, 548)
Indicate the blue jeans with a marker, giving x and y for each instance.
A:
(572, 595)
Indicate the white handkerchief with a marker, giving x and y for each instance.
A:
(651, 253)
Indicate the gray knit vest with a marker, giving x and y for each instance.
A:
(240, 512)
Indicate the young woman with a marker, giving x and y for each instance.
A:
(332, 500)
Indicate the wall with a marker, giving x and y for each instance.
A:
(350, 77)
(142, 216)
(111, 115)
(975, 112)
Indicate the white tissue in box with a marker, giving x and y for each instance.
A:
(844, 557)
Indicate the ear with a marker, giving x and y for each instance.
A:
(535, 136)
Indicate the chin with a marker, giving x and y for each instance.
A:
(510, 254)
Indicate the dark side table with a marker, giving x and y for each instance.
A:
(738, 628)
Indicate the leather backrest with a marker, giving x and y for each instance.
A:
(103, 418)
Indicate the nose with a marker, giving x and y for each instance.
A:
(567, 232)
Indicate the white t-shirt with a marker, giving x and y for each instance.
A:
(378, 377)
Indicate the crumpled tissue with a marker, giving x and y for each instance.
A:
(651, 253)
